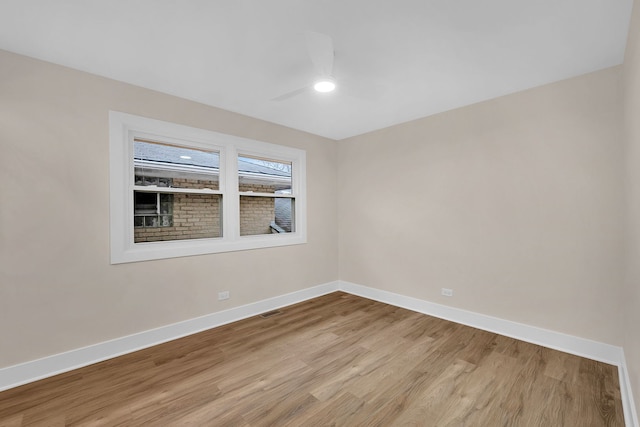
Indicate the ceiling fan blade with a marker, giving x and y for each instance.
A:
(290, 94)
(320, 48)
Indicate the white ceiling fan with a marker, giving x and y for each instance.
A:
(320, 50)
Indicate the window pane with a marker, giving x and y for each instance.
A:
(263, 175)
(151, 221)
(181, 217)
(166, 203)
(177, 167)
(285, 214)
(145, 203)
(266, 215)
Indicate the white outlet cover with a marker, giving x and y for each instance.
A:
(447, 292)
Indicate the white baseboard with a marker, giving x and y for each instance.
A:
(628, 403)
(16, 375)
(23, 373)
(556, 340)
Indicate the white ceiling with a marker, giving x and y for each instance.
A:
(395, 61)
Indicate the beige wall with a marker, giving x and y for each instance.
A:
(631, 296)
(514, 203)
(58, 291)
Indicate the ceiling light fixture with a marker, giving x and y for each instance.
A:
(185, 157)
(325, 85)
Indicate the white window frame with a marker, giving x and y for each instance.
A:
(123, 128)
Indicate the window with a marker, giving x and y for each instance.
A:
(180, 191)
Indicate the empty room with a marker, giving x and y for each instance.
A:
(320, 213)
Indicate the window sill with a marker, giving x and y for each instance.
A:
(161, 250)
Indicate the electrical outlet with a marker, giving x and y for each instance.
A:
(447, 292)
(223, 295)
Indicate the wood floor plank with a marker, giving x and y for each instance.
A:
(336, 360)
(14, 421)
(338, 412)
(480, 398)
(435, 402)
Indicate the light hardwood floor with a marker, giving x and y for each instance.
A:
(336, 360)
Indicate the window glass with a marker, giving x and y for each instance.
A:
(272, 211)
(168, 166)
(266, 215)
(163, 216)
(261, 175)
(181, 216)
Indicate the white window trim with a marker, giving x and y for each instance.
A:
(124, 127)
